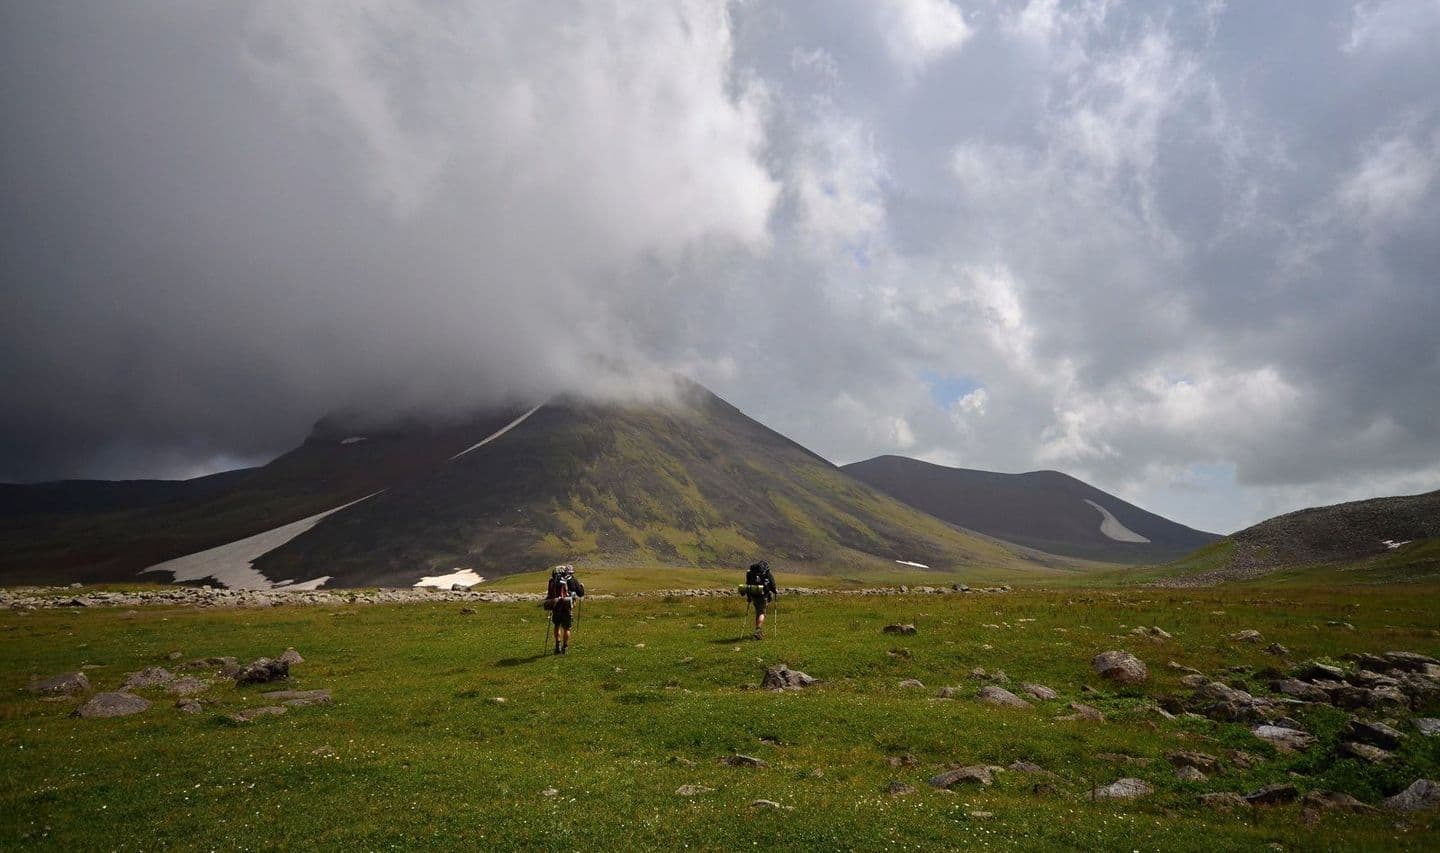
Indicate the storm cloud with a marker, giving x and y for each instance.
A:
(1185, 250)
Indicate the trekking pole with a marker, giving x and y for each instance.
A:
(545, 637)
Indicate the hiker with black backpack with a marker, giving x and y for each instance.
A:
(562, 600)
(760, 588)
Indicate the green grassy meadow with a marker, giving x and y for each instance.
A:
(417, 750)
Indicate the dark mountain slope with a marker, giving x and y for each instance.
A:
(696, 484)
(1046, 510)
(1375, 540)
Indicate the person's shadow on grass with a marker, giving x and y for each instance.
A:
(519, 661)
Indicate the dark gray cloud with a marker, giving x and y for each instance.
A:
(1184, 249)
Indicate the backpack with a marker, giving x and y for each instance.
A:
(564, 584)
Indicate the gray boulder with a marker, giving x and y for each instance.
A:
(249, 714)
(1121, 667)
(1411, 661)
(188, 706)
(299, 698)
(65, 684)
(1303, 690)
(1377, 734)
(904, 630)
(1423, 795)
(112, 704)
(1122, 789)
(1224, 801)
(1197, 760)
(977, 774)
(150, 676)
(1364, 752)
(1084, 712)
(1335, 801)
(1190, 774)
(1039, 691)
(738, 760)
(782, 677)
(1284, 739)
(990, 694)
(291, 657)
(186, 686)
(914, 683)
(263, 670)
(1272, 795)
(1428, 726)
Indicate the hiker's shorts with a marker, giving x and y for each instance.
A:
(562, 619)
(759, 603)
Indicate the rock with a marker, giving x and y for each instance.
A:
(1386, 699)
(692, 790)
(1421, 687)
(1000, 697)
(738, 760)
(1284, 739)
(1197, 760)
(899, 789)
(912, 683)
(263, 670)
(1085, 712)
(1277, 650)
(979, 672)
(291, 657)
(1153, 632)
(175, 656)
(1423, 795)
(1377, 734)
(1428, 726)
(1364, 752)
(767, 804)
(977, 773)
(905, 630)
(150, 676)
(1302, 690)
(299, 698)
(1243, 760)
(1028, 767)
(324, 751)
(1190, 774)
(1410, 661)
(1335, 801)
(1121, 667)
(548, 792)
(248, 714)
(1312, 670)
(1366, 678)
(1039, 691)
(1187, 670)
(978, 815)
(459, 587)
(1227, 704)
(188, 706)
(1249, 635)
(947, 693)
(113, 704)
(186, 686)
(1271, 795)
(1122, 789)
(64, 684)
(1224, 801)
(782, 677)
(1196, 680)
(906, 760)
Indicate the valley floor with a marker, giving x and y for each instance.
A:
(456, 729)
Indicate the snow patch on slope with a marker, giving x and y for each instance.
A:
(468, 577)
(1111, 526)
(496, 434)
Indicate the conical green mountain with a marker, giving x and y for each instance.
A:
(688, 483)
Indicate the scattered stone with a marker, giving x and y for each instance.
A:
(1377, 734)
(186, 686)
(1197, 760)
(467, 611)
(692, 790)
(1121, 667)
(1272, 795)
(1028, 767)
(1195, 680)
(291, 657)
(1364, 752)
(768, 804)
(977, 773)
(1423, 795)
(548, 792)
(1313, 670)
(979, 672)
(1345, 625)
(782, 677)
(1249, 635)
(1084, 712)
(1243, 760)
(738, 760)
(1190, 774)
(1284, 739)
(1227, 704)
(1428, 726)
(175, 656)
(65, 684)
(947, 693)
(188, 706)
(980, 815)
(906, 760)
(912, 683)
(1302, 690)
(1122, 789)
(1039, 691)
(1224, 801)
(1410, 661)
(1277, 650)
(1000, 697)
(459, 587)
(1187, 670)
(1153, 632)
(323, 751)
(249, 714)
(111, 704)
(299, 698)
(905, 630)
(263, 670)
(150, 676)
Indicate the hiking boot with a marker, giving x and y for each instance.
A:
(565, 648)
(557, 650)
(758, 635)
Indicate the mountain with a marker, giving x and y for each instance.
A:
(1046, 510)
(1370, 541)
(692, 482)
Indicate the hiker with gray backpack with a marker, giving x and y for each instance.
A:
(562, 599)
(760, 589)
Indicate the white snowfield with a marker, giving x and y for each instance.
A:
(1111, 526)
(468, 577)
(497, 433)
(1392, 544)
(232, 564)
(916, 565)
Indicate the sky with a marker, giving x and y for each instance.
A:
(1188, 251)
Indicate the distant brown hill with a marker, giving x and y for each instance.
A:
(1046, 510)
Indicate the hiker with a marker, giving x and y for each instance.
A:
(561, 600)
(760, 589)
